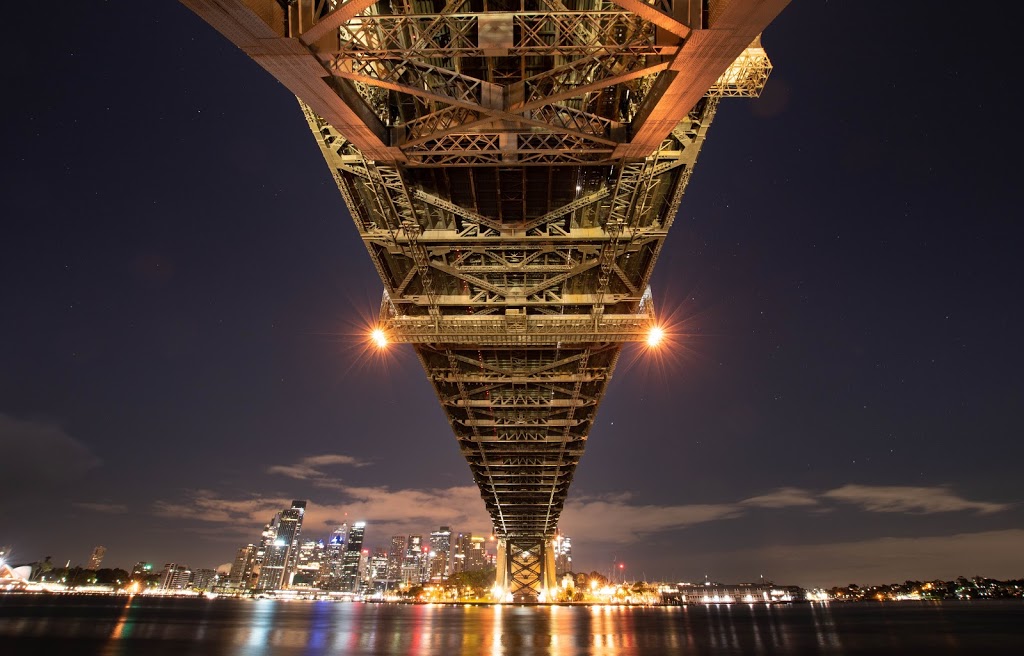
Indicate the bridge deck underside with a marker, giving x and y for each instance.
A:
(513, 168)
(521, 418)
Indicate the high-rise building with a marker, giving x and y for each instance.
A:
(281, 548)
(463, 543)
(310, 564)
(350, 560)
(396, 557)
(440, 553)
(412, 568)
(97, 557)
(476, 557)
(379, 566)
(241, 576)
(334, 554)
(563, 555)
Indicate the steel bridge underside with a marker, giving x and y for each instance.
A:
(513, 168)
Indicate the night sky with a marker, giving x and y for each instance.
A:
(184, 302)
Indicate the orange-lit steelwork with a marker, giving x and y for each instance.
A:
(513, 168)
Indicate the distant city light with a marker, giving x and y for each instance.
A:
(654, 336)
(379, 337)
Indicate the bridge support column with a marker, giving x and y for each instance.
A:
(550, 579)
(525, 570)
(501, 574)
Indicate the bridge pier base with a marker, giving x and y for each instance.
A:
(525, 570)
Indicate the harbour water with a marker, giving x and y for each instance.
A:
(43, 624)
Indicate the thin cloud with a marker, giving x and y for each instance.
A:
(590, 519)
(402, 511)
(387, 511)
(783, 497)
(881, 560)
(37, 457)
(908, 499)
(310, 468)
(106, 508)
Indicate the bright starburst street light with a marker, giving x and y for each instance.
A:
(654, 336)
(379, 337)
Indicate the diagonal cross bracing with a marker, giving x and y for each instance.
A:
(512, 169)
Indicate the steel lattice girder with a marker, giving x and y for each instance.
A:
(513, 168)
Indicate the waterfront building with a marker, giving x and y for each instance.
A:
(722, 593)
(175, 577)
(96, 559)
(204, 579)
(440, 551)
(142, 568)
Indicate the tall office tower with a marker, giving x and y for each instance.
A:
(290, 528)
(334, 554)
(241, 575)
(396, 557)
(350, 560)
(513, 169)
(463, 543)
(440, 553)
(311, 560)
(412, 567)
(563, 554)
(476, 557)
(281, 547)
(97, 557)
(379, 566)
(272, 556)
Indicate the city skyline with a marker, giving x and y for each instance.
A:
(183, 346)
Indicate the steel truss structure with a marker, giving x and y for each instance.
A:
(513, 168)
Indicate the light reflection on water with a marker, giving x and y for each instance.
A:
(138, 625)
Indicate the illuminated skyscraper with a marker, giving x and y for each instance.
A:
(396, 557)
(281, 547)
(241, 576)
(350, 559)
(563, 554)
(440, 552)
(334, 554)
(412, 570)
(97, 557)
(476, 557)
(463, 543)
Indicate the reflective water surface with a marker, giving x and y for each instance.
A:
(143, 625)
